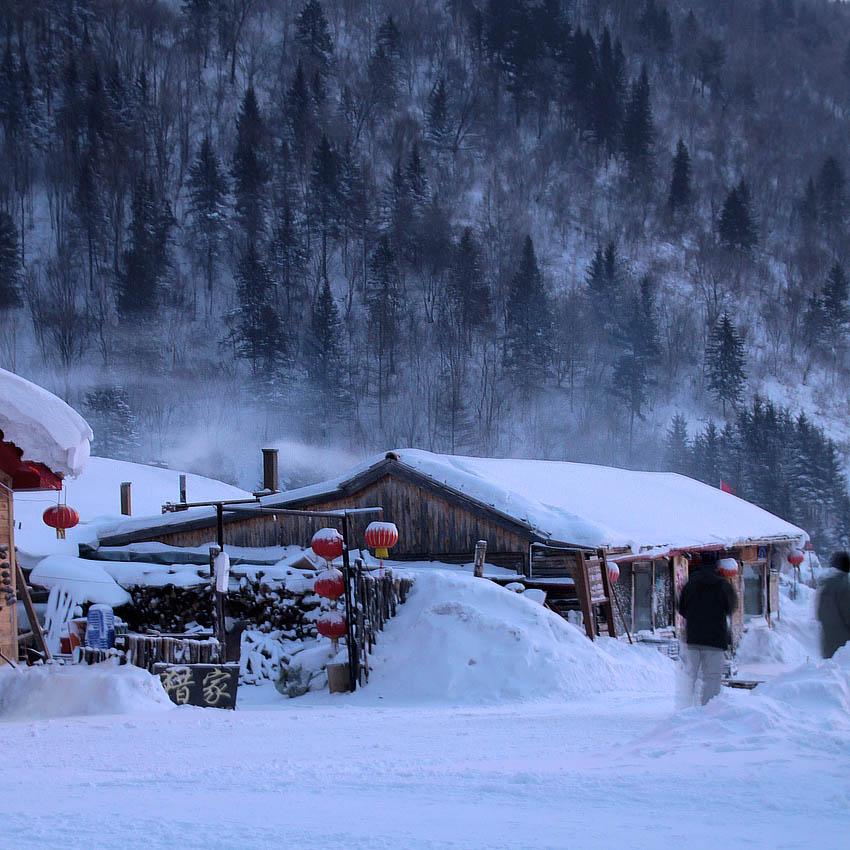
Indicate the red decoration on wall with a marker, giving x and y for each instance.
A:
(613, 572)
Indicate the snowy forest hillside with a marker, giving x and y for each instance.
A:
(595, 231)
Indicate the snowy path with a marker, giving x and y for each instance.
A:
(533, 776)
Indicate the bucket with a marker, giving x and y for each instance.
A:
(338, 680)
(76, 633)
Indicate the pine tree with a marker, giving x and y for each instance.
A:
(637, 335)
(638, 130)
(10, 263)
(300, 113)
(835, 310)
(528, 324)
(831, 194)
(725, 360)
(468, 294)
(258, 332)
(207, 195)
(736, 225)
(250, 169)
(324, 343)
(313, 33)
(609, 93)
(603, 285)
(88, 209)
(115, 424)
(324, 206)
(707, 456)
(680, 183)
(677, 447)
(147, 258)
(438, 115)
(383, 300)
(288, 252)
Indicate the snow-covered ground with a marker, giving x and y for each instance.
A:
(488, 722)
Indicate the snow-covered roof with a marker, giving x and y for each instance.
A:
(576, 504)
(589, 505)
(43, 426)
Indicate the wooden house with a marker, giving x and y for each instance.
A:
(41, 441)
(539, 518)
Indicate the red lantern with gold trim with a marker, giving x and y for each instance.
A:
(60, 517)
(381, 536)
(727, 567)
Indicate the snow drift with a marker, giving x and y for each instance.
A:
(32, 693)
(458, 640)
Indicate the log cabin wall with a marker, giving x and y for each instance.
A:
(8, 613)
(428, 526)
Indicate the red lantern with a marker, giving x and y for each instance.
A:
(613, 572)
(795, 557)
(329, 583)
(332, 624)
(381, 536)
(327, 543)
(60, 517)
(727, 567)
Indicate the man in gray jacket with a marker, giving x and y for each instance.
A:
(834, 605)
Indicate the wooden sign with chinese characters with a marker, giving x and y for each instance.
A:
(204, 685)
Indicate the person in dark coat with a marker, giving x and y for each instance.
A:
(834, 605)
(706, 602)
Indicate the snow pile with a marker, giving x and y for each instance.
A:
(461, 640)
(793, 637)
(32, 693)
(40, 423)
(86, 581)
(807, 708)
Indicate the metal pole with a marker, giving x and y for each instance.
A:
(349, 636)
(219, 523)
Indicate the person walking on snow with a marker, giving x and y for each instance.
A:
(834, 605)
(706, 602)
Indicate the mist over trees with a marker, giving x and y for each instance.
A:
(518, 227)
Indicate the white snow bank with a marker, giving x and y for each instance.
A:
(44, 426)
(86, 581)
(31, 693)
(808, 708)
(792, 639)
(462, 640)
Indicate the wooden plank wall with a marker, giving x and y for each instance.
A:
(8, 614)
(428, 526)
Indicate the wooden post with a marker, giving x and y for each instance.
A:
(270, 479)
(583, 593)
(480, 554)
(182, 488)
(353, 655)
(609, 592)
(126, 499)
(218, 606)
(35, 626)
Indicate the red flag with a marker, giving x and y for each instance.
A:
(725, 487)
